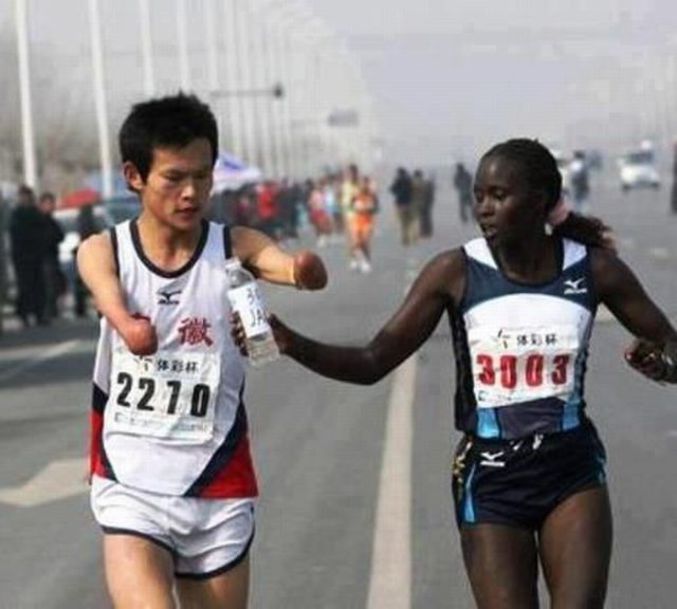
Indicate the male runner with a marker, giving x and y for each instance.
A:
(173, 484)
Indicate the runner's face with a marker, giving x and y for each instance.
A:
(176, 191)
(507, 209)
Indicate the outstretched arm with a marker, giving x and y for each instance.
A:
(656, 344)
(261, 255)
(435, 290)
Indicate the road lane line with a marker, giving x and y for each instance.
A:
(60, 479)
(55, 351)
(627, 243)
(390, 582)
(660, 253)
(604, 315)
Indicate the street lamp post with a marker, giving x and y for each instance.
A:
(29, 164)
(182, 40)
(100, 99)
(245, 82)
(146, 48)
(265, 120)
(232, 80)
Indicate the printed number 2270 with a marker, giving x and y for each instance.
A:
(198, 404)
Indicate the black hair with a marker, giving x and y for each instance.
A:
(541, 173)
(540, 166)
(168, 122)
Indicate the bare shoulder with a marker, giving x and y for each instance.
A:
(450, 261)
(97, 247)
(247, 242)
(446, 273)
(602, 259)
(608, 270)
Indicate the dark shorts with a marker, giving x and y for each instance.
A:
(519, 482)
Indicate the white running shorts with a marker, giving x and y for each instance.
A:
(206, 537)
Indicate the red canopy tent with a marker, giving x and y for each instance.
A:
(79, 198)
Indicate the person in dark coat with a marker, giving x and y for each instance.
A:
(87, 226)
(53, 275)
(403, 191)
(427, 209)
(26, 231)
(673, 194)
(463, 185)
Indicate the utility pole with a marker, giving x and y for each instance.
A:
(212, 62)
(29, 164)
(146, 48)
(232, 82)
(100, 99)
(182, 39)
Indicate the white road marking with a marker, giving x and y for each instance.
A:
(627, 243)
(660, 253)
(51, 353)
(604, 315)
(390, 582)
(59, 480)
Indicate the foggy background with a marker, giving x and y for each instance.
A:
(446, 79)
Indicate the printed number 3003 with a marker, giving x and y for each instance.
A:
(535, 372)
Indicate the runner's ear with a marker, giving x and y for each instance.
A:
(132, 176)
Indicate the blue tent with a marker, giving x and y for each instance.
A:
(230, 173)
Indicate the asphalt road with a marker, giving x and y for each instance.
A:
(355, 509)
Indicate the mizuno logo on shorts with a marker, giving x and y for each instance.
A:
(491, 459)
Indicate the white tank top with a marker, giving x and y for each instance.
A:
(173, 423)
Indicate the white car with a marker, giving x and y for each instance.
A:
(564, 166)
(637, 169)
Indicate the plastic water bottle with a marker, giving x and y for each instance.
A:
(245, 299)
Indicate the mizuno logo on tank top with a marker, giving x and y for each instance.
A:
(521, 349)
(174, 423)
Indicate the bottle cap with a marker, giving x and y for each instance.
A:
(233, 263)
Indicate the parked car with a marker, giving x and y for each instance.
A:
(122, 208)
(68, 220)
(637, 169)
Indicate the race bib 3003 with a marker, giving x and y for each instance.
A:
(167, 395)
(513, 365)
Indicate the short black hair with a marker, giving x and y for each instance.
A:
(540, 166)
(168, 122)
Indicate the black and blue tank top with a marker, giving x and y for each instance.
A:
(521, 349)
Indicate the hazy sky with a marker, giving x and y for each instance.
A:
(448, 77)
(451, 76)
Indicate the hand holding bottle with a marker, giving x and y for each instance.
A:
(245, 301)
